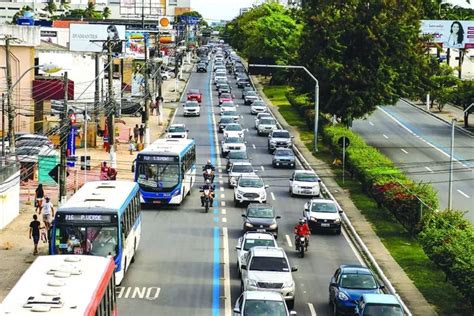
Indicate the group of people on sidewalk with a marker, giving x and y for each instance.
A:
(138, 137)
(44, 206)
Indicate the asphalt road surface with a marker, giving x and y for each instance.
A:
(186, 262)
(420, 145)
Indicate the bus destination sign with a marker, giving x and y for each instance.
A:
(150, 158)
(88, 218)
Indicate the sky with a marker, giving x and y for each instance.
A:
(228, 9)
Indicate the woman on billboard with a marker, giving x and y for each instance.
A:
(113, 35)
(456, 36)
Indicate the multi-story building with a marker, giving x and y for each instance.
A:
(120, 9)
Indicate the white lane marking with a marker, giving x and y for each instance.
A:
(356, 252)
(224, 211)
(385, 136)
(462, 193)
(221, 181)
(371, 124)
(222, 196)
(288, 240)
(429, 169)
(220, 170)
(263, 169)
(224, 219)
(222, 203)
(222, 189)
(225, 246)
(312, 310)
(273, 196)
(253, 145)
(406, 152)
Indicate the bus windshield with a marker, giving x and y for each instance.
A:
(158, 176)
(86, 239)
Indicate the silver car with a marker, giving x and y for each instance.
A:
(266, 126)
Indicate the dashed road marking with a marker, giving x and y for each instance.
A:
(222, 196)
(406, 152)
(429, 169)
(385, 136)
(222, 203)
(263, 169)
(224, 219)
(464, 194)
(312, 310)
(221, 189)
(288, 240)
(253, 145)
(221, 181)
(224, 211)
(371, 124)
(273, 196)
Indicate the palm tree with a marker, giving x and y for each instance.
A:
(89, 12)
(50, 7)
(106, 13)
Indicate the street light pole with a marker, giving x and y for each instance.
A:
(451, 160)
(316, 95)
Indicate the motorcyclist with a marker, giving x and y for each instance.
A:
(207, 186)
(302, 229)
(208, 165)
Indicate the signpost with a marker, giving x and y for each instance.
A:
(343, 142)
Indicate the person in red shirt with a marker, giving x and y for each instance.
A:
(302, 229)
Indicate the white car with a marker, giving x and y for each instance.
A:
(237, 170)
(233, 130)
(305, 182)
(266, 125)
(323, 214)
(258, 107)
(250, 240)
(250, 189)
(260, 116)
(219, 77)
(261, 303)
(220, 72)
(191, 108)
(234, 114)
(177, 131)
(232, 144)
(228, 107)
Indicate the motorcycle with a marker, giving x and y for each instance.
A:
(301, 243)
(207, 199)
(208, 174)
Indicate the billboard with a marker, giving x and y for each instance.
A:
(138, 79)
(450, 33)
(93, 37)
(135, 43)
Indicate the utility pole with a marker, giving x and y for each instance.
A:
(3, 125)
(97, 88)
(111, 107)
(10, 109)
(147, 93)
(64, 132)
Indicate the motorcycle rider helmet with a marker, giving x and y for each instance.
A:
(208, 162)
(208, 181)
(302, 221)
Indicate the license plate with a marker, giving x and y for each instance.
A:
(157, 202)
(325, 225)
(306, 192)
(261, 230)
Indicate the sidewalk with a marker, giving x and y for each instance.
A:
(15, 247)
(404, 286)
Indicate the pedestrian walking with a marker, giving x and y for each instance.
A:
(136, 130)
(141, 132)
(131, 145)
(48, 213)
(39, 195)
(35, 233)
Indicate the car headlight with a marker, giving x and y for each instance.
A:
(342, 296)
(240, 192)
(289, 283)
(248, 225)
(251, 283)
(273, 226)
(273, 142)
(314, 218)
(337, 220)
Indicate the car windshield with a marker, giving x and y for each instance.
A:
(269, 264)
(267, 121)
(382, 310)
(251, 93)
(158, 177)
(29, 151)
(258, 103)
(249, 243)
(233, 127)
(237, 155)
(242, 168)
(251, 183)
(263, 115)
(306, 177)
(323, 207)
(358, 281)
(264, 308)
(191, 104)
(260, 212)
(226, 96)
(177, 129)
(226, 120)
(281, 135)
(87, 240)
(230, 113)
(284, 152)
(233, 140)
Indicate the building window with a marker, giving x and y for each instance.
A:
(173, 2)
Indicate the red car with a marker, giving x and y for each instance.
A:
(194, 95)
(225, 97)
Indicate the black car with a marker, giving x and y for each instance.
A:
(223, 89)
(261, 218)
(234, 156)
(241, 83)
(201, 67)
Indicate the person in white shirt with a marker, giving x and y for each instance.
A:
(48, 213)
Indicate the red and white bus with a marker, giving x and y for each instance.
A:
(64, 285)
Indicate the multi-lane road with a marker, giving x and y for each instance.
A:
(186, 262)
(420, 145)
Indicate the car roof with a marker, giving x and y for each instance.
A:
(259, 235)
(259, 205)
(263, 295)
(305, 172)
(319, 200)
(279, 130)
(242, 163)
(380, 299)
(177, 125)
(358, 269)
(262, 251)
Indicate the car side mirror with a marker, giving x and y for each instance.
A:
(237, 310)
(294, 269)
(382, 287)
(266, 186)
(293, 313)
(292, 136)
(341, 211)
(243, 215)
(243, 267)
(278, 217)
(238, 247)
(187, 130)
(332, 283)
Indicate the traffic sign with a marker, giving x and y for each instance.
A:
(344, 141)
(54, 173)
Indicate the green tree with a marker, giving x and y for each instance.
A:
(364, 53)
(106, 13)
(443, 86)
(464, 96)
(50, 7)
(20, 13)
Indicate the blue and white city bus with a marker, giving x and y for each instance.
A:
(166, 170)
(103, 218)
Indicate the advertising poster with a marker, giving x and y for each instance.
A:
(138, 79)
(93, 37)
(135, 44)
(450, 33)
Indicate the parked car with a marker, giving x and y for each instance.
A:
(191, 108)
(236, 156)
(305, 182)
(260, 116)
(238, 169)
(165, 75)
(379, 304)
(284, 157)
(323, 214)
(269, 269)
(348, 284)
(194, 95)
(224, 121)
(261, 303)
(177, 131)
(279, 138)
(266, 126)
(261, 218)
(252, 239)
(233, 130)
(249, 188)
(258, 106)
